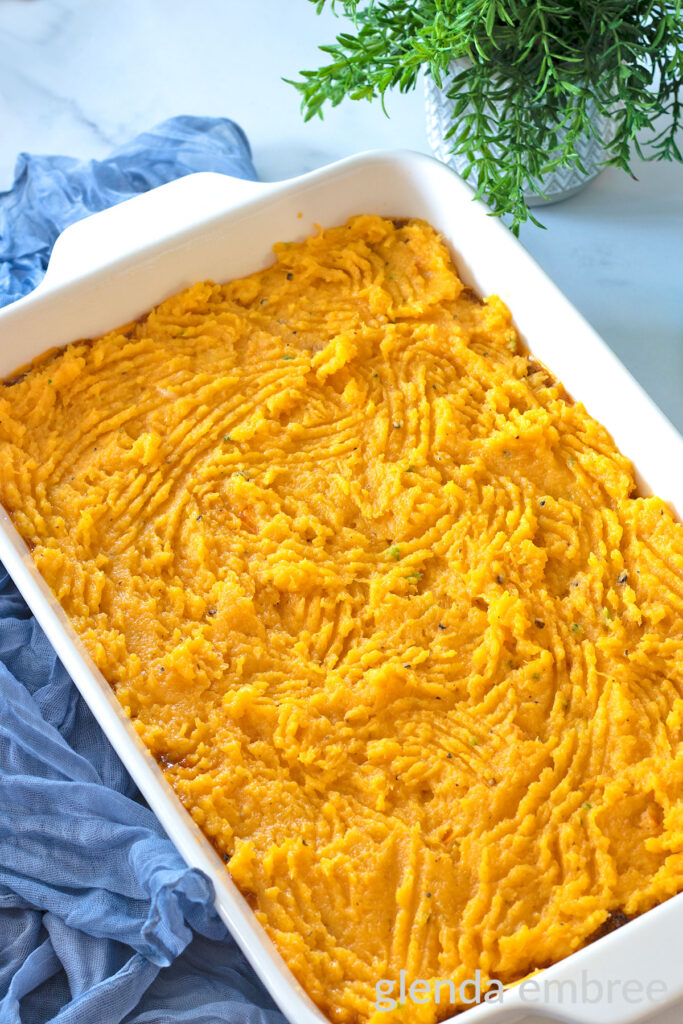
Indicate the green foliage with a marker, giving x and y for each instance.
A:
(537, 68)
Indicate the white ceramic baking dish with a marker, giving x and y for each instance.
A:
(112, 267)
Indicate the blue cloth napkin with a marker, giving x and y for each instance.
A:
(101, 922)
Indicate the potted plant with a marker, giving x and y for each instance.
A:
(529, 99)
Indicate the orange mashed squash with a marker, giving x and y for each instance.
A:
(383, 602)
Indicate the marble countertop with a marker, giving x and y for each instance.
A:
(81, 76)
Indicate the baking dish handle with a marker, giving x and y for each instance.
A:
(623, 978)
(145, 219)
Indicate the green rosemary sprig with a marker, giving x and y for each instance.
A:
(537, 72)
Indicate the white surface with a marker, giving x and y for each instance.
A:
(156, 243)
(79, 76)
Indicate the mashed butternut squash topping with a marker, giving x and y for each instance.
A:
(381, 600)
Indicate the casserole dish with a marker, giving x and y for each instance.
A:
(114, 266)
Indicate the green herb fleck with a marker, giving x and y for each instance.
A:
(395, 552)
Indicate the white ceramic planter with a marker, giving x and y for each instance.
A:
(560, 184)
